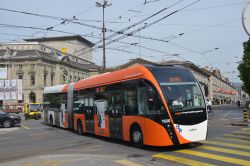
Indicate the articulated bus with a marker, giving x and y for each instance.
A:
(144, 104)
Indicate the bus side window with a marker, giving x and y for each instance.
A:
(149, 101)
(111, 103)
(154, 103)
(142, 101)
(131, 107)
(118, 104)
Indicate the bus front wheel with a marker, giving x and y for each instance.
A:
(136, 136)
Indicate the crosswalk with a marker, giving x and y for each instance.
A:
(231, 149)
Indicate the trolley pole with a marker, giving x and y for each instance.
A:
(103, 4)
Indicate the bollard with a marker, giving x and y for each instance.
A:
(248, 111)
(245, 115)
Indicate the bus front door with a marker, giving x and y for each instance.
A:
(89, 119)
(115, 115)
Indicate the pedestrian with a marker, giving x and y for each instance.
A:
(209, 105)
(238, 103)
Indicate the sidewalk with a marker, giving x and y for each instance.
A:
(242, 123)
(236, 108)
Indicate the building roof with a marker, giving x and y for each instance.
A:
(130, 63)
(61, 38)
(24, 54)
(18, 55)
(186, 64)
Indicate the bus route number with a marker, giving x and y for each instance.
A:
(175, 79)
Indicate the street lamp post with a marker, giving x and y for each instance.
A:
(103, 4)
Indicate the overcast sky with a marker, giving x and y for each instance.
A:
(205, 32)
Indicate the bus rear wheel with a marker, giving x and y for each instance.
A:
(136, 136)
(79, 127)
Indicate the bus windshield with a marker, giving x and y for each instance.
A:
(180, 89)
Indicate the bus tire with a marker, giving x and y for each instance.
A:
(79, 127)
(51, 120)
(136, 136)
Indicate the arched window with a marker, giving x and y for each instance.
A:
(32, 97)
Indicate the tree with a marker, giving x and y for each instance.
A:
(244, 67)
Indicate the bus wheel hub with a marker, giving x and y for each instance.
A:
(137, 136)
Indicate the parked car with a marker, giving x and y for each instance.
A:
(9, 120)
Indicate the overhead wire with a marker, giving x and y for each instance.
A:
(35, 28)
(169, 42)
(84, 11)
(217, 6)
(130, 52)
(11, 34)
(64, 20)
(208, 7)
(72, 20)
(134, 25)
(152, 23)
(147, 37)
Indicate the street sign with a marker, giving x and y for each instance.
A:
(246, 18)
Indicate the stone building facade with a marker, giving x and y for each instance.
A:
(40, 65)
(221, 89)
(73, 45)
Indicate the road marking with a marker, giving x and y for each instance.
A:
(181, 160)
(23, 126)
(224, 150)
(91, 147)
(227, 144)
(224, 115)
(236, 136)
(39, 134)
(44, 163)
(6, 138)
(215, 157)
(7, 130)
(235, 140)
(127, 163)
(246, 129)
(242, 132)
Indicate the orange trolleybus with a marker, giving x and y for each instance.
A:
(143, 104)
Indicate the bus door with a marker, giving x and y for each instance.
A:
(89, 114)
(63, 109)
(115, 114)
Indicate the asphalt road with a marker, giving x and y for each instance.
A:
(36, 144)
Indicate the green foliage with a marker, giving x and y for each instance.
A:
(244, 67)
